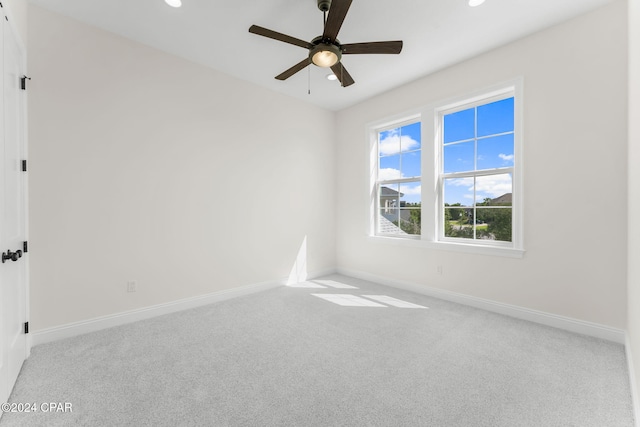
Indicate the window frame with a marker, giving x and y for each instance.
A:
(460, 105)
(395, 124)
(432, 219)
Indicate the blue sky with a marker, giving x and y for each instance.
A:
(474, 139)
(400, 152)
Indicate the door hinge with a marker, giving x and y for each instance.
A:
(25, 247)
(26, 327)
(24, 166)
(23, 82)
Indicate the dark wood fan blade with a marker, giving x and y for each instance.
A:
(337, 13)
(279, 36)
(291, 71)
(342, 74)
(372, 47)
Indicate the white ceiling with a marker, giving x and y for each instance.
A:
(436, 33)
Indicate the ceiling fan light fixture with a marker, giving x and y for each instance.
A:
(474, 3)
(325, 55)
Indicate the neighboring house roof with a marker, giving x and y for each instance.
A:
(386, 226)
(388, 192)
(505, 198)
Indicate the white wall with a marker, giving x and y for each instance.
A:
(575, 136)
(146, 167)
(633, 324)
(18, 11)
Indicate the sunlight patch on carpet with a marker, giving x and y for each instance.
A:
(393, 301)
(334, 284)
(348, 300)
(306, 285)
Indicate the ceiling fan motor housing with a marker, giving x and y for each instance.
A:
(324, 5)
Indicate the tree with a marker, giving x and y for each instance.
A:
(413, 224)
(455, 213)
(500, 226)
(499, 222)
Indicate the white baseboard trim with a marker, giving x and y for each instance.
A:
(635, 397)
(96, 324)
(548, 319)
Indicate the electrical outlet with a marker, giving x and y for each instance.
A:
(131, 286)
(439, 269)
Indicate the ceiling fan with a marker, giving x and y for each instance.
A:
(326, 50)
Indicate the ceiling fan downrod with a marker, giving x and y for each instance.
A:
(324, 6)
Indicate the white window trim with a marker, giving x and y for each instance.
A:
(373, 130)
(431, 146)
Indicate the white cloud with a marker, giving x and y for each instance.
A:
(394, 144)
(493, 186)
(410, 189)
(461, 182)
(490, 186)
(506, 157)
(389, 173)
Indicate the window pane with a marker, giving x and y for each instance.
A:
(495, 152)
(411, 137)
(494, 189)
(389, 196)
(394, 141)
(458, 223)
(409, 193)
(389, 142)
(410, 207)
(389, 168)
(496, 117)
(458, 192)
(411, 164)
(410, 220)
(388, 222)
(399, 152)
(459, 126)
(494, 224)
(459, 157)
(389, 209)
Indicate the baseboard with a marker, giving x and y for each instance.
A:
(635, 397)
(96, 324)
(548, 319)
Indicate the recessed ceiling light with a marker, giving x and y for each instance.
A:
(332, 77)
(474, 3)
(174, 3)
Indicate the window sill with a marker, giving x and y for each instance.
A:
(450, 246)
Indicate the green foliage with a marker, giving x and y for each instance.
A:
(498, 222)
(500, 225)
(414, 224)
(462, 231)
(455, 213)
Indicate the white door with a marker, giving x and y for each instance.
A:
(13, 274)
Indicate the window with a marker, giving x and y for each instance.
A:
(398, 184)
(449, 175)
(477, 163)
